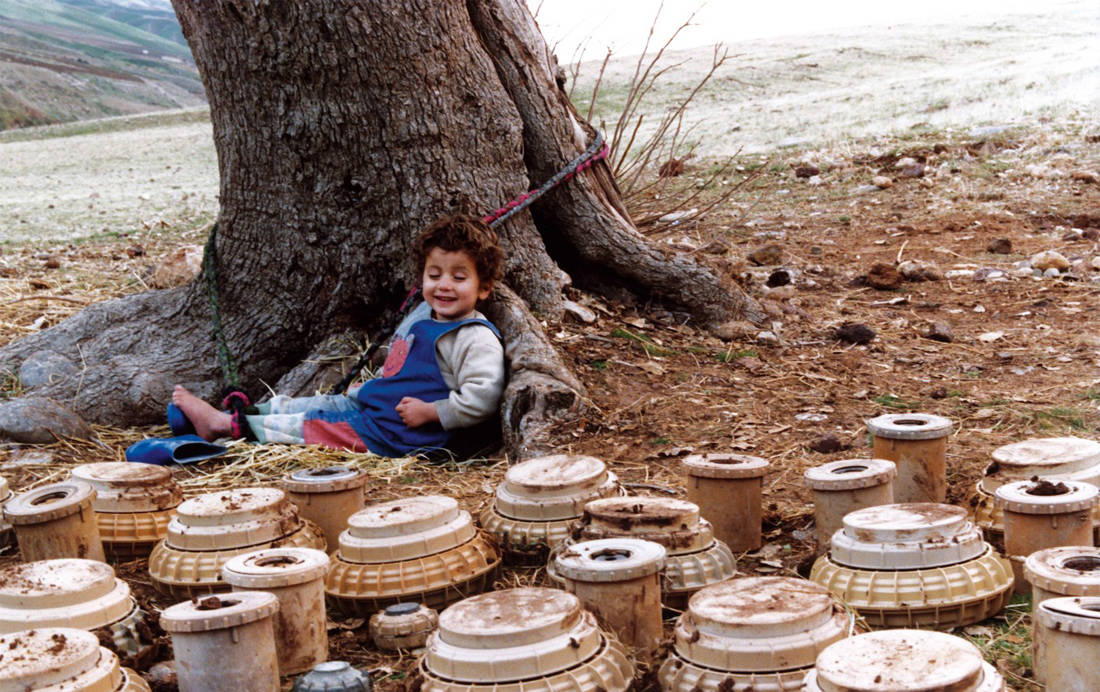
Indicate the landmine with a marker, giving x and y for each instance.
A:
(56, 521)
(133, 505)
(327, 497)
(538, 499)
(728, 488)
(334, 676)
(6, 494)
(753, 633)
(296, 576)
(917, 443)
(915, 565)
(619, 581)
(59, 659)
(903, 661)
(210, 529)
(402, 626)
(1039, 514)
(421, 549)
(522, 640)
(70, 592)
(694, 557)
(844, 486)
(1063, 571)
(225, 643)
(1066, 637)
(1052, 458)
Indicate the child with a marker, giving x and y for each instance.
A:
(444, 369)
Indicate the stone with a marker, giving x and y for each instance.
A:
(767, 337)
(883, 276)
(179, 267)
(882, 182)
(735, 329)
(854, 333)
(915, 270)
(999, 246)
(767, 255)
(579, 311)
(959, 274)
(53, 262)
(1095, 263)
(1051, 272)
(940, 331)
(914, 171)
(779, 277)
(905, 162)
(45, 367)
(37, 420)
(806, 170)
(1050, 259)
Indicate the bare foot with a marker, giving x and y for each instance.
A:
(209, 422)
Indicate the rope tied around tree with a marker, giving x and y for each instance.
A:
(236, 400)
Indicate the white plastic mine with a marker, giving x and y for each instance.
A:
(1066, 635)
(1018, 497)
(70, 592)
(329, 479)
(405, 529)
(513, 634)
(903, 661)
(906, 536)
(850, 474)
(128, 487)
(232, 519)
(909, 426)
(673, 523)
(553, 488)
(1071, 458)
(1063, 571)
(610, 560)
(57, 660)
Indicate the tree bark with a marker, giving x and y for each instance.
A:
(342, 129)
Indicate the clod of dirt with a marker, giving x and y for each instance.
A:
(806, 170)
(53, 262)
(827, 444)
(883, 277)
(854, 333)
(767, 255)
(1043, 487)
(671, 168)
(779, 277)
(999, 246)
(914, 171)
(1091, 234)
(940, 331)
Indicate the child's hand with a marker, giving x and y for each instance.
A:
(416, 412)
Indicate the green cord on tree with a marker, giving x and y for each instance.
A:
(210, 272)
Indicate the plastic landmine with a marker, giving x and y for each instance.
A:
(133, 505)
(56, 521)
(538, 499)
(210, 529)
(1063, 571)
(1052, 458)
(1066, 639)
(917, 443)
(333, 676)
(752, 633)
(522, 640)
(619, 581)
(1040, 514)
(885, 662)
(422, 549)
(296, 576)
(402, 626)
(694, 558)
(70, 592)
(915, 565)
(844, 486)
(327, 496)
(59, 659)
(225, 643)
(728, 488)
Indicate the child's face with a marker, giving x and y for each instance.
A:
(451, 285)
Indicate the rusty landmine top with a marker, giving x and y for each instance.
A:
(909, 426)
(275, 568)
(753, 601)
(1039, 496)
(324, 480)
(850, 474)
(511, 617)
(40, 580)
(49, 502)
(641, 514)
(209, 613)
(1072, 570)
(556, 473)
(233, 506)
(1055, 454)
(901, 661)
(404, 517)
(125, 473)
(129, 487)
(35, 659)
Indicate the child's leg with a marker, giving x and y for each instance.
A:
(323, 420)
(300, 404)
(279, 427)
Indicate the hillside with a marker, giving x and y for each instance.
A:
(65, 60)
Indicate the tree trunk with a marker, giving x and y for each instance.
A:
(341, 130)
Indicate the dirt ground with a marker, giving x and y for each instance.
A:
(1023, 358)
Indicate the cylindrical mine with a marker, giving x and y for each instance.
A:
(327, 497)
(1039, 514)
(728, 489)
(296, 576)
(917, 443)
(225, 643)
(1066, 632)
(56, 521)
(844, 486)
(57, 659)
(618, 580)
(1063, 571)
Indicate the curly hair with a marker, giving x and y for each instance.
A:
(466, 233)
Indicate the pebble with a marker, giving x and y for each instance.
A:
(940, 331)
(767, 337)
(905, 162)
(863, 189)
(1051, 272)
(882, 182)
(1050, 259)
(1095, 262)
(914, 171)
(40, 420)
(959, 274)
(806, 170)
(814, 180)
(854, 333)
(1000, 246)
(53, 262)
(988, 274)
(915, 270)
(779, 277)
(579, 311)
(883, 276)
(780, 292)
(767, 255)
